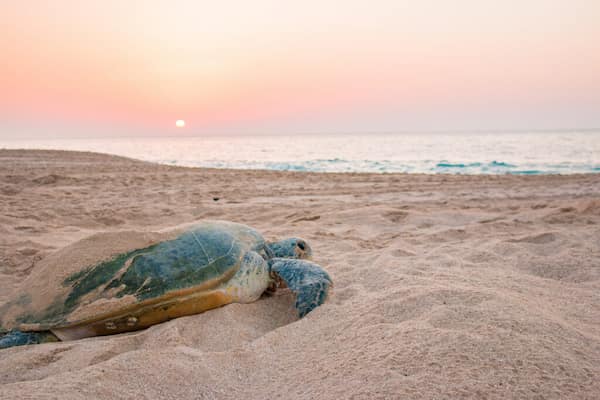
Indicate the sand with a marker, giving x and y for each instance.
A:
(446, 287)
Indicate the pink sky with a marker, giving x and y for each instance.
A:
(70, 68)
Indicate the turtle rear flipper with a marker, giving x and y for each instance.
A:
(19, 338)
(307, 280)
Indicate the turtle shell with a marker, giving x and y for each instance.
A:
(123, 281)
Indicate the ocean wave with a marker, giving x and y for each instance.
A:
(389, 166)
(501, 164)
(446, 164)
(517, 154)
(529, 172)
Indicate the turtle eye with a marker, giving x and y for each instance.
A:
(301, 246)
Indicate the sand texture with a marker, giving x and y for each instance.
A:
(446, 287)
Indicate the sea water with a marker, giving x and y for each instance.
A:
(523, 153)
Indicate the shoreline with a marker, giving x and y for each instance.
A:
(266, 170)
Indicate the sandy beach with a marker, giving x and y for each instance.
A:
(446, 286)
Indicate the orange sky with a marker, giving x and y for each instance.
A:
(70, 68)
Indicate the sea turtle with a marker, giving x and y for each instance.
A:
(124, 281)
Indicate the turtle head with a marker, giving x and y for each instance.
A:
(291, 248)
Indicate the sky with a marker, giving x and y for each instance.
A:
(132, 68)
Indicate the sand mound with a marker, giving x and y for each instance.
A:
(591, 207)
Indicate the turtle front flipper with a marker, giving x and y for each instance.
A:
(19, 338)
(307, 280)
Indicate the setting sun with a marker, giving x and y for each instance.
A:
(180, 123)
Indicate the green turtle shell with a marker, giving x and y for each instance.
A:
(116, 282)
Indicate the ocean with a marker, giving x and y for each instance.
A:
(522, 153)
